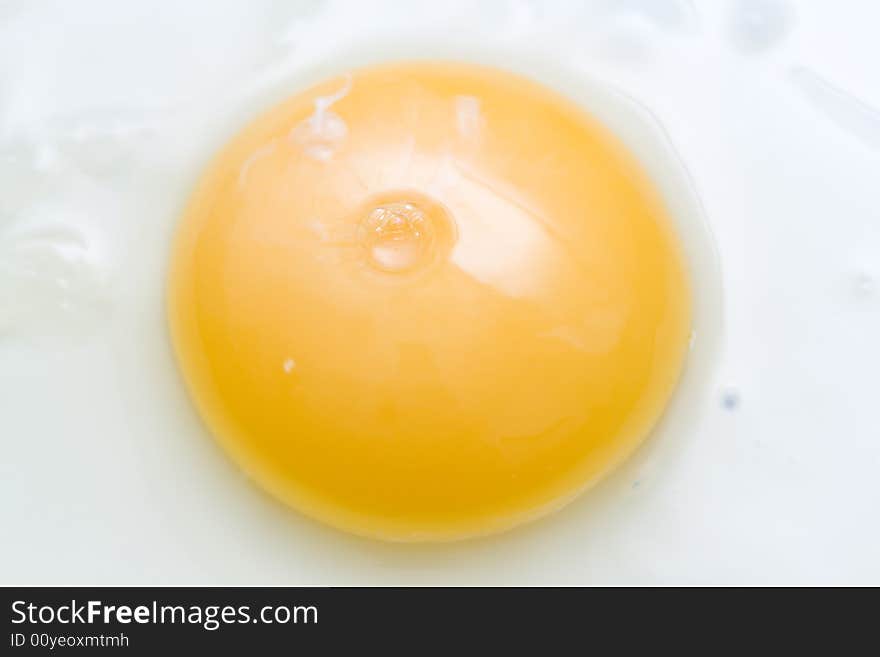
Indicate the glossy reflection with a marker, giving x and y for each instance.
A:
(426, 301)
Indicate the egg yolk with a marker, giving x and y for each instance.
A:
(428, 300)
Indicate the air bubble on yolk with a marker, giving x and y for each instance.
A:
(404, 231)
(396, 236)
(428, 301)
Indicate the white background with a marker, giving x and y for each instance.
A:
(107, 112)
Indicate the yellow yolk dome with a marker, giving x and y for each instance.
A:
(427, 300)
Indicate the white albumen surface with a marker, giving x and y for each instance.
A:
(768, 473)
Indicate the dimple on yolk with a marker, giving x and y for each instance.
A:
(427, 301)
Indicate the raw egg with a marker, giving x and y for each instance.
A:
(426, 300)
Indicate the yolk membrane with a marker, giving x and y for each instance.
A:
(428, 300)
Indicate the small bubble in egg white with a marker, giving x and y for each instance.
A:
(758, 25)
(730, 399)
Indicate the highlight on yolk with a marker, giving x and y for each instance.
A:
(428, 300)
